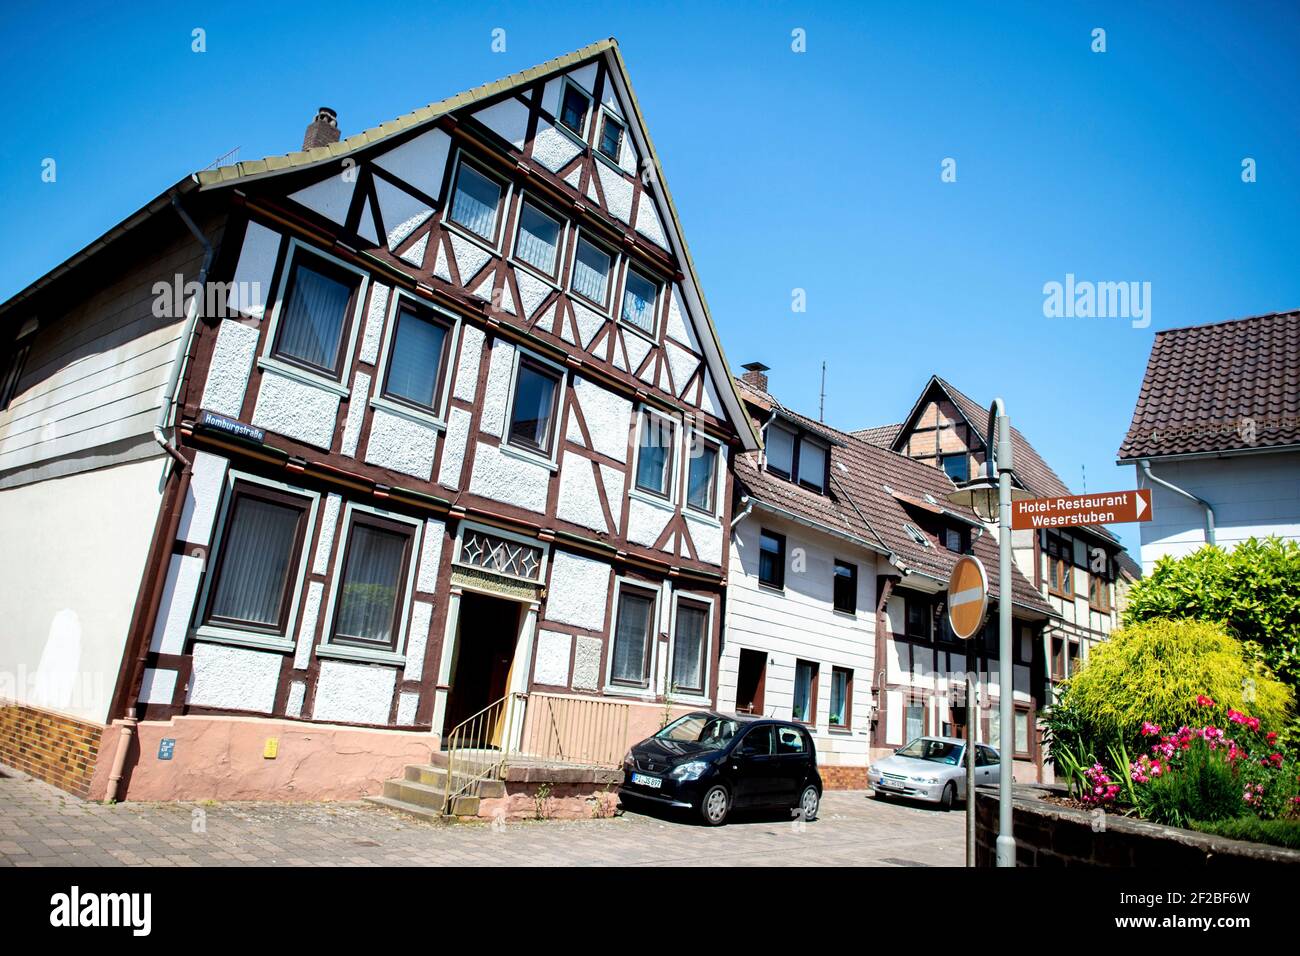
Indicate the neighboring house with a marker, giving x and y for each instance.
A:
(840, 557)
(1216, 435)
(458, 429)
(1076, 570)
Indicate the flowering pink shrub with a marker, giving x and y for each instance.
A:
(1101, 790)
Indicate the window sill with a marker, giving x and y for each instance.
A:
(362, 654)
(531, 457)
(582, 300)
(701, 517)
(838, 731)
(535, 272)
(237, 638)
(486, 245)
(407, 412)
(852, 615)
(637, 330)
(614, 690)
(303, 376)
(774, 588)
(663, 504)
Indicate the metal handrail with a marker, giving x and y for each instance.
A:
(477, 748)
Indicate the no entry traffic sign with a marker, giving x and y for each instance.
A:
(968, 597)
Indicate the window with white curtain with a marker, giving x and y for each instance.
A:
(590, 272)
(805, 692)
(915, 723)
(538, 241)
(416, 358)
(633, 634)
(690, 642)
(372, 583)
(639, 297)
(475, 202)
(533, 406)
(259, 553)
(702, 475)
(314, 314)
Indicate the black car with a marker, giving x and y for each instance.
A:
(714, 763)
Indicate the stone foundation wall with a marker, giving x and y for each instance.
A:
(549, 793)
(1052, 835)
(60, 750)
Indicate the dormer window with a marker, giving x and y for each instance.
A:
(780, 451)
(953, 539)
(957, 467)
(574, 108)
(812, 464)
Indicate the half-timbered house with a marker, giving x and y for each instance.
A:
(836, 616)
(457, 429)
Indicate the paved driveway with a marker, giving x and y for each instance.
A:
(43, 826)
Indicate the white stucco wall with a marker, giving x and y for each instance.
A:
(1254, 495)
(72, 552)
(802, 624)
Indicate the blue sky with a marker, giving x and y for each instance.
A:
(817, 170)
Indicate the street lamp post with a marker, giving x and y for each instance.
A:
(979, 494)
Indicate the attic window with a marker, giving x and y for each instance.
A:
(917, 535)
(611, 137)
(574, 108)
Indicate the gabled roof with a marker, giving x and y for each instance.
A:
(246, 171)
(881, 436)
(1227, 387)
(1032, 472)
(874, 494)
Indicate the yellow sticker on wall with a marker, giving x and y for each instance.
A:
(272, 748)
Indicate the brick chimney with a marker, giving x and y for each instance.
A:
(323, 130)
(755, 375)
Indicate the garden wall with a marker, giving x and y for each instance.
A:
(1051, 835)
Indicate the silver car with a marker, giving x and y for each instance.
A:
(933, 769)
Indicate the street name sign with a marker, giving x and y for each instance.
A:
(1111, 507)
(968, 597)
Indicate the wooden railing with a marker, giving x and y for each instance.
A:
(574, 731)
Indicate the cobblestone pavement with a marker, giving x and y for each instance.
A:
(42, 826)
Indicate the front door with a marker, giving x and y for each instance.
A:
(485, 649)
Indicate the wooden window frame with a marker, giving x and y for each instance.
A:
(781, 555)
(647, 657)
(300, 255)
(611, 278)
(853, 585)
(713, 446)
(1028, 752)
(359, 518)
(813, 688)
(607, 117)
(908, 602)
(847, 726)
(1099, 597)
(698, 604)
(552, 277)
(581, 135)
(425, 314)
(503, 202)
(645, 414)
(239, 490)
(522, 360)
(651, 333)
(1059, 566)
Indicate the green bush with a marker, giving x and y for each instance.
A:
(1204, 788)
(1252, 590)
(1285, 833)
(1155, 671)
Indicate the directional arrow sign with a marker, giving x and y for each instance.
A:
(968, 597)
(1110, 507)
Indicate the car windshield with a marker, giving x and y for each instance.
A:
(939, 751)
(713, 732)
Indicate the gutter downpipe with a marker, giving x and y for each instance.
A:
(1145, 465)
(171, 521)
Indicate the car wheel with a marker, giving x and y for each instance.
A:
(715, 804)
(949, 795)
(809, 802)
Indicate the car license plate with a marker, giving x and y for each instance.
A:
(644, 780)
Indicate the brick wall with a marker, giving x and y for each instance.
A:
(59, 750)
(843, 778)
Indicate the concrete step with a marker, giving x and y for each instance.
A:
(410, 809)
(434, 776)
(410, 791)
(464, 806)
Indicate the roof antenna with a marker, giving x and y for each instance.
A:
(821, 406)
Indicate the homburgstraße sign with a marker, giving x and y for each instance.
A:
(1110, 507)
